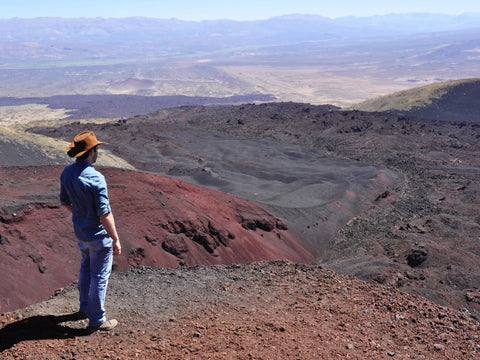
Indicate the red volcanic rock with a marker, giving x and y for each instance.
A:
(263, 224)
(175, 245)
(161, 222)
(193, 225)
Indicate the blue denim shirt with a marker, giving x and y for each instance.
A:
(85, 189)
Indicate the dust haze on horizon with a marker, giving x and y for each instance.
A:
(235, 10)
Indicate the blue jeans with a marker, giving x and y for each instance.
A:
(95, 269)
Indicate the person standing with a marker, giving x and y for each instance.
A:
(83, 191)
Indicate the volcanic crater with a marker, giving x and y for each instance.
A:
(388, 198)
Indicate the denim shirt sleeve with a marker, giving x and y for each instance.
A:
(102, 203)
(64, 199)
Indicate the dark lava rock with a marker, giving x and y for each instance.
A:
(417, 257)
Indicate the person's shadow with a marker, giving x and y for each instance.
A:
(40, 327)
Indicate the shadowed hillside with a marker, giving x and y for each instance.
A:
(457, 100)
(117, 106)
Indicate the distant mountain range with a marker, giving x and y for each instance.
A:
(81, 36)
(279, 29)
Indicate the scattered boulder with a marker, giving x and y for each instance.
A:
(473, 296)
(280, 225)
(175, 245)
(14, 215)
(136, 257)
(180, 227)
(206, 241)
(152, 240)
(417, 257)
(223, 236)
(259, 223)
(38, 260)
(383, 195)
(3, 240)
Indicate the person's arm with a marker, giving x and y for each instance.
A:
(108, 223)
(64, 200)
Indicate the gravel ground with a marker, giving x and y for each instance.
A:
(261, 310)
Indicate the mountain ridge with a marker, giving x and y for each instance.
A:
(456, 100)
(395, 23)
(175, 35)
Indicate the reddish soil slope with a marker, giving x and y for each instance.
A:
(161, 222)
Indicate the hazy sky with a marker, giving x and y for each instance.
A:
(226, 9)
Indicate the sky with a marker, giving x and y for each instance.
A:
(198, 10)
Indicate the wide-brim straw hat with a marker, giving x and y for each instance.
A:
(82, 142)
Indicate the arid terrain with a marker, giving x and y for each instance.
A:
(291, 188)
(250, 230)
(387, 201)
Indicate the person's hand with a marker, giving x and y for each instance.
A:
(117, 248)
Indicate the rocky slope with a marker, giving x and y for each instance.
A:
(421, 205)
(411, 231)
(161, 221)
